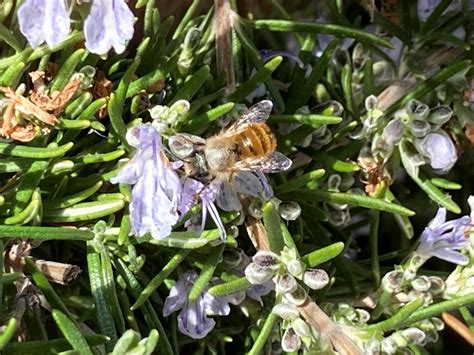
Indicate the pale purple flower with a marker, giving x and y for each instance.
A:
(44, 20)
(440, 150)
(194, 190)
(193, 319)
(251, 183)
(157, 188)
(109, 24)
(444, 239)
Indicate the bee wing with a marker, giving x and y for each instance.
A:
(271, 163)
(258, 113)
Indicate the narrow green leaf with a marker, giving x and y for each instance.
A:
(271, 221)
(312, 120)
(8, 332)
(66, 70)
(346, 198)
(174, 262)
(335, 164)
(231, 287)
(192, 85)
(264, 334)
(312, 27)
(258, 78)
(34, 152)
(71, 333)
(104, 316)
(323, 255)
(202, 281)
(45, 233)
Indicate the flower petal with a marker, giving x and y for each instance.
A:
(193, 322)
(109, 24)
(42, 20)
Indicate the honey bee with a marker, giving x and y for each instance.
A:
(247, 145)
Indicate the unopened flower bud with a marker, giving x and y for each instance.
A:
(297, 297)
(419, 128)
(437, 285)
(440, 115)
(331, 107)
(373, 346)
(286, 283)
(255, 209)
(266, 259)
(334, 181)
(414, 335)
(359, 56)
(362, 315)
(232, 257)
(257, 275)
(393, 132)
(181, 145)
(392, 281)
(295, 267)
(316, 279)
(286, 311)
(290, 341)
(301, 328)
(381, 70)
(437, 323)
(389, 345)
(371, 102)
(421, 284)
(418, 109)
(289, 210)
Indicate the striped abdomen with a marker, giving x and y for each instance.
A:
(256, 140)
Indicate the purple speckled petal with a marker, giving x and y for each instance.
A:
(42, 20)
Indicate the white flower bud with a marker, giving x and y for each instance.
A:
(389, 345)
(295, 267)
(373, 346)
(286, 283)
(316, 279)
(421, 284)
(437, 323)
(301, 328)
(266, 259)
(392, 281)
(297, 297)
(371, 102)
(414, 335)
(440, 115)
(437, 285)
(362, 315)
(290, 341)
(286, 311)
(419, 128)
(257, 275)
(289, 210)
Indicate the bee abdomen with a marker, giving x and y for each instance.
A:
(257, 140)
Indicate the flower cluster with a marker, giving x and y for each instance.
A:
(285, 270)
(109, 24)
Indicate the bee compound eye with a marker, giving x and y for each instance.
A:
(181, 146)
